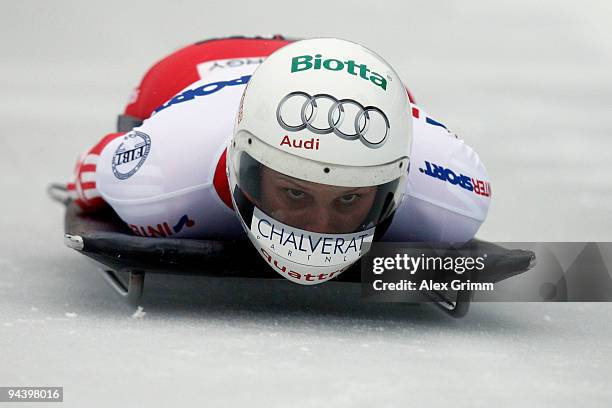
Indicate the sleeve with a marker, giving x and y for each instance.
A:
(82, 189)
(448, 192)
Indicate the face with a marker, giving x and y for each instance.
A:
(312, 206)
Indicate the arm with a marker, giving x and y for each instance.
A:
(163, 81)
(448, 192)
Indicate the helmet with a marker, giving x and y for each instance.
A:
(319, 156)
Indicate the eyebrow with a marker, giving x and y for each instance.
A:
(297, 183)
(291, 180)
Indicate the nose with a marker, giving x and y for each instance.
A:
(322, 221)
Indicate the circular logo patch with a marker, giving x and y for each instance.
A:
(131, 154)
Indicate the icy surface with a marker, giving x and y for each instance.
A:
(526, 83)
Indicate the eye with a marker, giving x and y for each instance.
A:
(349, 198)
(295, 194)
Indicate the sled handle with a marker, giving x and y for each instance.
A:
(456, 308)
(132, 291)
(59, 192)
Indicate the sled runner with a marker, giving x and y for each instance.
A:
(106, 239)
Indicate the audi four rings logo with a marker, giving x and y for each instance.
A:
(324, 114)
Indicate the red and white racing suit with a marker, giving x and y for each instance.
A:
(167, 178)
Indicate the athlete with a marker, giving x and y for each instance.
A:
(326, 151)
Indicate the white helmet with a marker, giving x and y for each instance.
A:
(319, 156)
